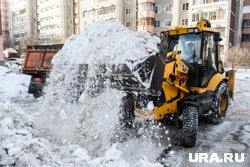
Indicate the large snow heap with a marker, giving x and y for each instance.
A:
(104, 42)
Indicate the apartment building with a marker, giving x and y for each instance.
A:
(76, 16)
(1, 40)
(146, 15)
(164, 15)
(238, 22)
(21, 19)
(121, 11)
(4, 4)
(245, 40)
(55, 20)
(219, 13)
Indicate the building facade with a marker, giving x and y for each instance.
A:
(76, 16)
(22, 19)
(164, 15)
(55, 20)
(121, 11)
(4, 7)
(238, 22)
(219, 13)
(245, 38)
(146, 15)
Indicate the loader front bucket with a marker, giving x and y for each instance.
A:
(145, 77)
(231, 81)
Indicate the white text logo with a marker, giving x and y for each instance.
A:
(213, 157)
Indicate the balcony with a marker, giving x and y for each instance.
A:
(146, 13)
(143, 1)
(148, 28)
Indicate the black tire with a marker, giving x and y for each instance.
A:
(190, 125)
(126, 113)
(219, 112)
(37, 94)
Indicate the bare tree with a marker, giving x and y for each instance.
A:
(238, 57)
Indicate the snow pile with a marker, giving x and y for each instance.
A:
(107, 41)
(20, 147)
(3, 70)
(104, 42)
(79, 107)
(21, 143)
(14, 84)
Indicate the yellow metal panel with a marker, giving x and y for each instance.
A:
(214, 81)
(198, 90)
(158, 112)
(169, 90)
(231, 80)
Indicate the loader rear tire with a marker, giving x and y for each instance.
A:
(126, 113)
(190, 125)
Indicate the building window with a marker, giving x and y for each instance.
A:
(195, 17)
(245, 38)
(157, 23)
(185, 6)
(158, 9)
(146, 21)
(222, 31)
(168, 23)
(127, 24)
(212, 15)
(204, 15)
(246, 23)
(146, 6)
(184, 22)
(168, 8)
(76, 31)
(127, 11)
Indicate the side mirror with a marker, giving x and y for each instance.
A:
(221, 67)
(217, 37)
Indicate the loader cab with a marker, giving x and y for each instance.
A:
(199, 48)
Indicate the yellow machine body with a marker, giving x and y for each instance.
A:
(177, 89)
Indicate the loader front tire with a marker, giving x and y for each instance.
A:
(126, 113)
(190, 125)
(221, 101)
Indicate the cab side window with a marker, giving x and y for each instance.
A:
(209, 53)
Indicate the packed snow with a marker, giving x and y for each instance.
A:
(21, 144)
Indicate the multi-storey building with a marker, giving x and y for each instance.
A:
(55, 20)
(238, 22)
(220, 13)
(121, 11)
(146, 15)
(4, 4)
(164, 15)
(1, 40)
(245, 40)
(170, 13)
(22, 19)
(76, 16)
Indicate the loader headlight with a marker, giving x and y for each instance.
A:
(193, 30)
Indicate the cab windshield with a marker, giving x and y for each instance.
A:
(188, 44)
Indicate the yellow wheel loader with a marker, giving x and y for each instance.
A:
(187, 82)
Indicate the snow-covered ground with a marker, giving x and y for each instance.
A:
(24, 141)
(21, 144)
